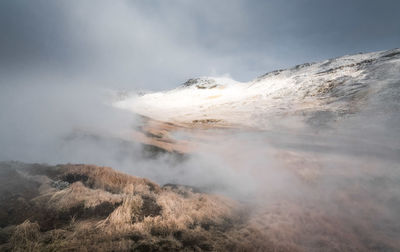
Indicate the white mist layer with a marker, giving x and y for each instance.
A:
(330, 123)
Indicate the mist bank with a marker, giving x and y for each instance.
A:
(318, 164)
(234, 139)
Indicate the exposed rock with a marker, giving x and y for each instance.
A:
(59, 184)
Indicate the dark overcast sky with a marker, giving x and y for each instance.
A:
(159, 44)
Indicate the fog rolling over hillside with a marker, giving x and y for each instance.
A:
(338, 110)
(302, 159)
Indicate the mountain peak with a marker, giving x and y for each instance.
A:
(335, 87)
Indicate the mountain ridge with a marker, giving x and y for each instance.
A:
(337, 87)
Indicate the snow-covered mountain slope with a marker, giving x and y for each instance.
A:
(329, 90)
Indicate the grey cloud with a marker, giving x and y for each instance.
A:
(159, 44)
(58, 57)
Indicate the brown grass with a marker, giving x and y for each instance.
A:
(105, 178)
(26, 237)
(104, 210)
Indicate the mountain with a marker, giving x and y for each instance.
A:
(331, 89)
(303, 159)
(357, 92)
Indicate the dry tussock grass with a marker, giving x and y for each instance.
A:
(105, 178)
(78, 194)
(100, 209)
(93, 214)
(26, 237)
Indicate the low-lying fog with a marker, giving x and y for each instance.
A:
(346, 172)
(336, 177)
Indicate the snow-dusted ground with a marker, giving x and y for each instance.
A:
(319, 93)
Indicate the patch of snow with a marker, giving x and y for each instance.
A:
(337, 85)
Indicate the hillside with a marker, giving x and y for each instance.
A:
(70, 207)
(319, 92)
(303, 159)
(341, 97)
